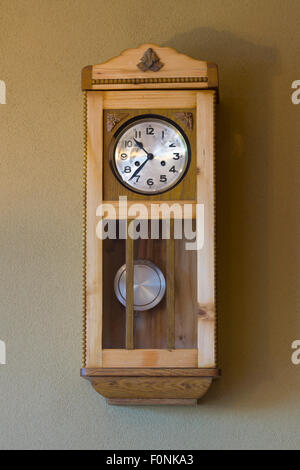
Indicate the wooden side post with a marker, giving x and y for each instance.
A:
(129, 292)
(93, 354)
(171, 287)
(206, 255)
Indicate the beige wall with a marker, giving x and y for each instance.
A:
(43, 46)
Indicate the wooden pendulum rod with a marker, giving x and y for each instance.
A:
(129, 293)
(170, 287)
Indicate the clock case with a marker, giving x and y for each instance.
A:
(167, 355)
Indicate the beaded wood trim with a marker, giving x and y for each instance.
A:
(84, 229)
(122, 81)
(215, 232)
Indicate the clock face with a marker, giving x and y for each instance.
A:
(151, 154)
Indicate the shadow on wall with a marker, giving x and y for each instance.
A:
(244, 150)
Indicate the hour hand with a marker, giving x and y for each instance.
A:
(139, 144)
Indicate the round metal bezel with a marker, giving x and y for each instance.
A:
(129, 123)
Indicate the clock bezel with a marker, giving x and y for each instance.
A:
(122, 129)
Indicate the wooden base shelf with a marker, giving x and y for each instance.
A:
(151, 386)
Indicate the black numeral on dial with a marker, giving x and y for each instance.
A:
(173, 169)
(163, 179)
(150, 181)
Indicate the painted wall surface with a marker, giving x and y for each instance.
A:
(43, 46)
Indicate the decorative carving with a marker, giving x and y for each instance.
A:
(150, 61)
(186, 118)
(113, 120)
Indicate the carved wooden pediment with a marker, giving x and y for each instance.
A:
(148, 65)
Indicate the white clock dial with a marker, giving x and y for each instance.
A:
(151, 155)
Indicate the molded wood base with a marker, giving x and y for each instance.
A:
(144, 388)
(156, 386)
(151, 387)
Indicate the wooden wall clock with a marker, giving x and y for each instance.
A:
(149, 333)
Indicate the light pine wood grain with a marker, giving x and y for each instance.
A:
(150, 358)
(94, 244)
(164, 99)
(206, 255)
(174, 64)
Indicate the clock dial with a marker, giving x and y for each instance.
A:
(151, 154)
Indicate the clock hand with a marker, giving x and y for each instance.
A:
(140, 145)
(149, 157)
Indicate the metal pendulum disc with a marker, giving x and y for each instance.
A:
(149, 285)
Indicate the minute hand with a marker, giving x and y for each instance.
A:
(149, 157)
